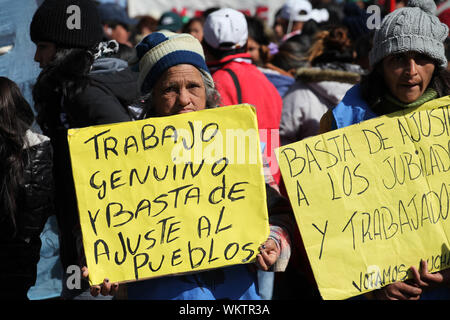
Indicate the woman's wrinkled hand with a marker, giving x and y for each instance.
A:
(399, 291)
(425, 279)
(268, 255)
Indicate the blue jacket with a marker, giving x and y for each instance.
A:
(231, 283)
(280, 81)
(352, 109)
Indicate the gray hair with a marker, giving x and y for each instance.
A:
(212, 97)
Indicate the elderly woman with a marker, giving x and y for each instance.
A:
(174, 79)
(408, 69)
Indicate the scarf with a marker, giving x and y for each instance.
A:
(428, 95)
(389, 103)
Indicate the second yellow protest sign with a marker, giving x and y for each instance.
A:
(372, 199)
(170, 195)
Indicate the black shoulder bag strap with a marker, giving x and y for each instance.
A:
(236, 84)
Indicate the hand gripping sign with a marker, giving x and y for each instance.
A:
(372, 199)
(170, 195)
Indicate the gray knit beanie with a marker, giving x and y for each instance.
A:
(411, 28)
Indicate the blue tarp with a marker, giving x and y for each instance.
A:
(18, 64)
(49, 272)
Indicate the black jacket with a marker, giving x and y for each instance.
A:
(103, 100)
(19, 255)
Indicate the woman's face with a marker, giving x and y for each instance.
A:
(280, 27)
(180, 89)
(45, 53)
(407, 75)
(196, 30)
(253, 49)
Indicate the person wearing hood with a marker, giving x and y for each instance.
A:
(320, 86)
(76, 88)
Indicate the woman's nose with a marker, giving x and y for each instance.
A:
(184, 97)
(37, 56)
(411, 66)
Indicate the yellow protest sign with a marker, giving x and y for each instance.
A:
(372, 199)
(170, 195)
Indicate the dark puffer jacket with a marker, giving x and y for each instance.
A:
(19, 255)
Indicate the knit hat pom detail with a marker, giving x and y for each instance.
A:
(426, 5)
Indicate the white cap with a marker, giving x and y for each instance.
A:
(296, 10)
(226, 29)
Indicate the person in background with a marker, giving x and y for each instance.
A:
(26, 192)
(293, 16)
(117, 25)
(174, 79)
(306, 37)
(145, 26)
(258, 48)
(238, 80)
(258, 41)
(278, 27)
(335, 9)
(362, 4)
(80, 85)
(355, 20)
(291, 56)
(363, 45)
(170, 21)
(319, 87)
(292, 53)
(409, 68)
(195, 27)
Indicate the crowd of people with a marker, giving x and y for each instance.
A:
(319, 67)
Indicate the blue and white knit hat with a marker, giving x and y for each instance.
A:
(159, 51)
